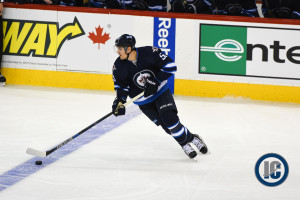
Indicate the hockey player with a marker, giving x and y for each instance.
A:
(148, 69)
(2, 80)
(235, 7)
(157, 5)
(285, 9)
(191, 6)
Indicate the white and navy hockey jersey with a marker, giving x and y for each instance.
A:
(130, 77)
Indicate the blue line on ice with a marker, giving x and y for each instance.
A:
(13, 176)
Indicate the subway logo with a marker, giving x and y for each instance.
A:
(36, 38)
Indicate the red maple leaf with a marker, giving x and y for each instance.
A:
(98, 37)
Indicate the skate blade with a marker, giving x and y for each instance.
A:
(208, 153)
(194, 159)
(2, 84)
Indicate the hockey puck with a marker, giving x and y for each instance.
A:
(38, 162)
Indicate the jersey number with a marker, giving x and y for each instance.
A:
(163, 56)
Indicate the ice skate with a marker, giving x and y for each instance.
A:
(189, 151)
(199, 143)
(2, 80)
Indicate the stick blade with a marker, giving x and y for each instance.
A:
(34, 152)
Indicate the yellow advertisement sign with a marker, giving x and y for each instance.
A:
(36, 38)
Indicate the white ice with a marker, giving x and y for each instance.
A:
(138, 160)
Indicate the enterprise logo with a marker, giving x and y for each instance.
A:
(226, 46)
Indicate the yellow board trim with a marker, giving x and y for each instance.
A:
(182, 87)
(58, 79)
(223, 89)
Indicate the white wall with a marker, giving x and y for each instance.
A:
(81, 55)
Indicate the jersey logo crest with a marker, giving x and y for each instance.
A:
(140, 78)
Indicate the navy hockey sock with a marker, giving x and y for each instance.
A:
(179, 132)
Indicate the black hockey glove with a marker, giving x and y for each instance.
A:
(118, 108)
(150, 87)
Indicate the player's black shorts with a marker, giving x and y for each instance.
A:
(165, 102)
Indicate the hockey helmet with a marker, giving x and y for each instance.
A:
(125, 40)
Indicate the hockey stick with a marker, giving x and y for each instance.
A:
(35, 152)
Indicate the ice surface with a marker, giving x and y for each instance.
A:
(135, 159)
